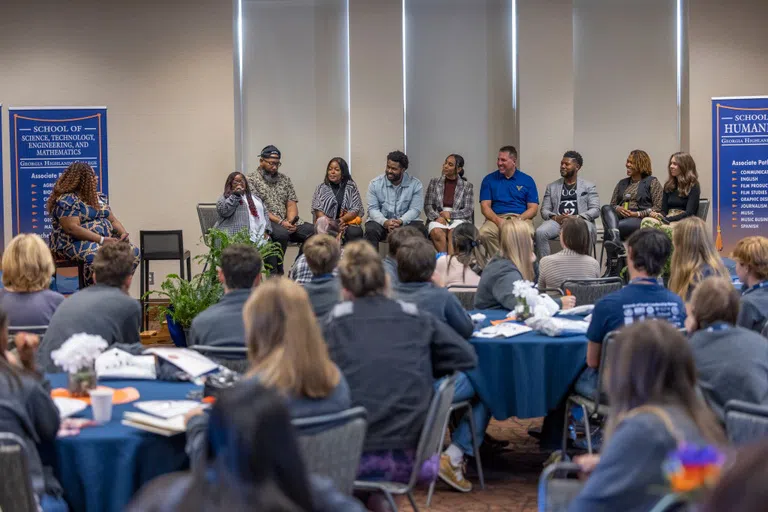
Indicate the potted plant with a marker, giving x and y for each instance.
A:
(187, 299)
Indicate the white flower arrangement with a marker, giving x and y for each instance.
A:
(79, 352)
(539, 305)
(525, 290)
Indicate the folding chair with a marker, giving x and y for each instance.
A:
(590, 405)
(589, 291)
(465, 294)
(430, 443)
(745, 422)
(207, 215)
(16, 493)
(234, 358)
(331, 445)
(556, 493)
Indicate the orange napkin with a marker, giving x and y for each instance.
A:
(497, 322)
(121, 396)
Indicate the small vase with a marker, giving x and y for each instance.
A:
(522, 310)
(81, 382)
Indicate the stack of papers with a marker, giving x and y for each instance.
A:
(189, 361)
(163, 426)
(505, 330)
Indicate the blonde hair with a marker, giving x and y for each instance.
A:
(361, 270)
(752, 252)
(322, 253)
(285, 346)
(694, 250)
(517, 246)
(27, 264)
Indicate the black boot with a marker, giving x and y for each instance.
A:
(615, 258)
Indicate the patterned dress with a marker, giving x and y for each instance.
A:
(92, 219)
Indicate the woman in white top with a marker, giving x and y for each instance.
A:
(239, 209)
(466, 263)
(574, 261)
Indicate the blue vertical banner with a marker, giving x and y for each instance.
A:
(739, 169)
(44, 142)
(2, 206)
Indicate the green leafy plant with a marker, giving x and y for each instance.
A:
(187, 299)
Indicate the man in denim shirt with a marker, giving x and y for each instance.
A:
(395, 199)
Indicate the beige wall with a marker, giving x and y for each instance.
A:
(164, 72)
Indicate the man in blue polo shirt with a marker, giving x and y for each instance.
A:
(644, 297)
(506, 193)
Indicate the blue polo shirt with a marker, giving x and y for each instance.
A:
(635, 303)
(509, 195)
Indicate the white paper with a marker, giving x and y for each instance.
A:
(505, 330)
(154, 424)
(189, 361)
(478, 317)
(119, 364)
(167, 408)
(577, 311)
(69, 406)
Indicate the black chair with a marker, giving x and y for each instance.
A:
(16, 493)
(589, 291)
(160, 246)
(745, 422)
(207, 215)
(703, 211)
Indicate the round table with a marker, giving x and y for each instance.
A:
(527, 375)
(103, 466)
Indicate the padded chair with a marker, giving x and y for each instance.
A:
(430, 444)
(465, 294)
(16, 493)
(13, 330)
(208, 216)
(60, 262)
(593, 405)
(233, 358)
(160, 246)
(332, 444)
(589, 291)
(703, 211)
(556, 490)
(745, 422)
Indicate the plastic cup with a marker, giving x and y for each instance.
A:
(101, 403)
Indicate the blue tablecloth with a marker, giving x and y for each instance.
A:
(101, 468)
(527, 375)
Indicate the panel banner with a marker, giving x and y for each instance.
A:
(739, 169)
(44, 142)
(2, 206)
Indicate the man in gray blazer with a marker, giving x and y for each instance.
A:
(569, 196)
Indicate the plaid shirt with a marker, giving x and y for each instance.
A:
(463, 199)
(300, 270)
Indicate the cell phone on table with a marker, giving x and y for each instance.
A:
(295, 220)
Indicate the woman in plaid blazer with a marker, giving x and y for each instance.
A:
(449, 201)
(239, 209)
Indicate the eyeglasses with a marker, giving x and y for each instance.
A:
(273, 163)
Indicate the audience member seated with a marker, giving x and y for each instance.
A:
(470, 255)
(395, 199)
(732, 362)
(82, 219)
(27, 271)
(742, 485)
(26, 409)
(654, 409)
(448, 203)
(574, 261)
(239, 208)
(287, 354)
(390, 354)
(634, 198)
(104, 310)
(694, 257)
(221, 325)
(251, 461)
(279, 196)
(416, 266)
(394, 241)
(568, 197)
(506, 193)
(751, 255)
(322, 253)
(338, 198)
(300, 271)
(644, 297)
(681, 192)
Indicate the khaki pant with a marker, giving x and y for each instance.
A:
(489, 232)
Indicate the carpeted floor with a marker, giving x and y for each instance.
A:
(511, 476)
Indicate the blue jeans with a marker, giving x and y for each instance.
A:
(586, 384)
(462, 436)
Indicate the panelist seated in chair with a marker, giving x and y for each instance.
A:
(338, 198)
(104, 309)
(239, 208)
(681, 192)
(27, 270)
(221, 325)
(82, 219)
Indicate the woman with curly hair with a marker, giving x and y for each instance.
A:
(82, 219)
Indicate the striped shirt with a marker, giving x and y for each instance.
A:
(324, 200)
(566, 264)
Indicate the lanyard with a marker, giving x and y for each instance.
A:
(718, 326)
(322, 276)
(647, 280)
(761, 284)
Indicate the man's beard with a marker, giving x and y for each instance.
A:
(269, 177)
